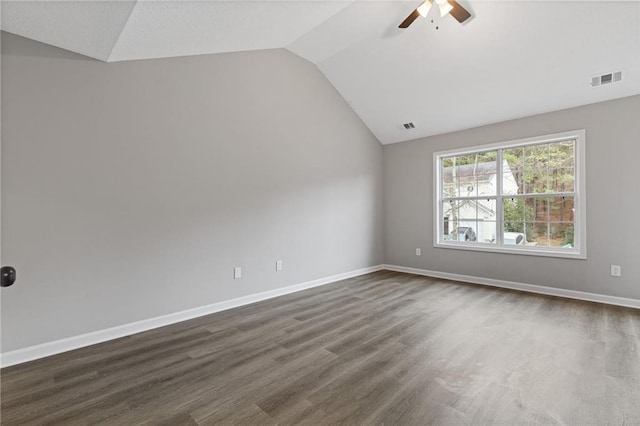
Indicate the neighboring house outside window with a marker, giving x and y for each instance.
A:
(523, 197)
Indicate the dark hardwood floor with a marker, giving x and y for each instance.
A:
(385, 348)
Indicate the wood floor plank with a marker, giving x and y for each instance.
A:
(383, 348)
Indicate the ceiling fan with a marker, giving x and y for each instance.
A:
(446, 7)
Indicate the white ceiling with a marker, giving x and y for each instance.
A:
(512, 59)
(88, 27)
(158, 29)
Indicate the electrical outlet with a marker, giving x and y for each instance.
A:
(616, 270)
(278, 265)
(237, 272)
(418, 252)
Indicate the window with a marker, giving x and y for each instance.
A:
(524, 197)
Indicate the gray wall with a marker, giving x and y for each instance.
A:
(613, 202)
(130, 190)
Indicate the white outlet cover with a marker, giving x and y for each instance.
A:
(237, 272)
(279, 265)
(616, 270)
(418, 252)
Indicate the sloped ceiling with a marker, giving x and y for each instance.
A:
(512, 59)
(90, 27)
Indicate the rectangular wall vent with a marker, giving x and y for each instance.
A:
(409, 126)
(611, 77)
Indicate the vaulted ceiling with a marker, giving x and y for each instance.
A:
(511, 59)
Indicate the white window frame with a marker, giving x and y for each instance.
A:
(579, 251)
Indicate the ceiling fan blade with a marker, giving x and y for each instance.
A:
(412, 17)
(460, 13)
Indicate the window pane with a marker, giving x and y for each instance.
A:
(513, 210)
(562, 235)
(449, 218)
(514, 217)
(518, 214)
(469, 175)
(514, 238)
(548, 167)
(537, 234)
(513, 171)
(561, 179)
(561, 209)
(521, 210)
(467, 219)
(536, 164)
(467, 230)
(562, 154)
(449, 185)
(450, 209)
(486, 209)
(536, 209)
(487, 231)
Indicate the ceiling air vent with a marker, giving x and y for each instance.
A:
(611, 77)
(408, 126)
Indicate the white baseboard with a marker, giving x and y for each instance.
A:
(531, 288)
(58, 346)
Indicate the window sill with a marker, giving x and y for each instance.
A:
(520, 250)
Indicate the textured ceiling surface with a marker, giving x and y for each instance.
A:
(511, 59)
(158, 29)
(89, 27)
